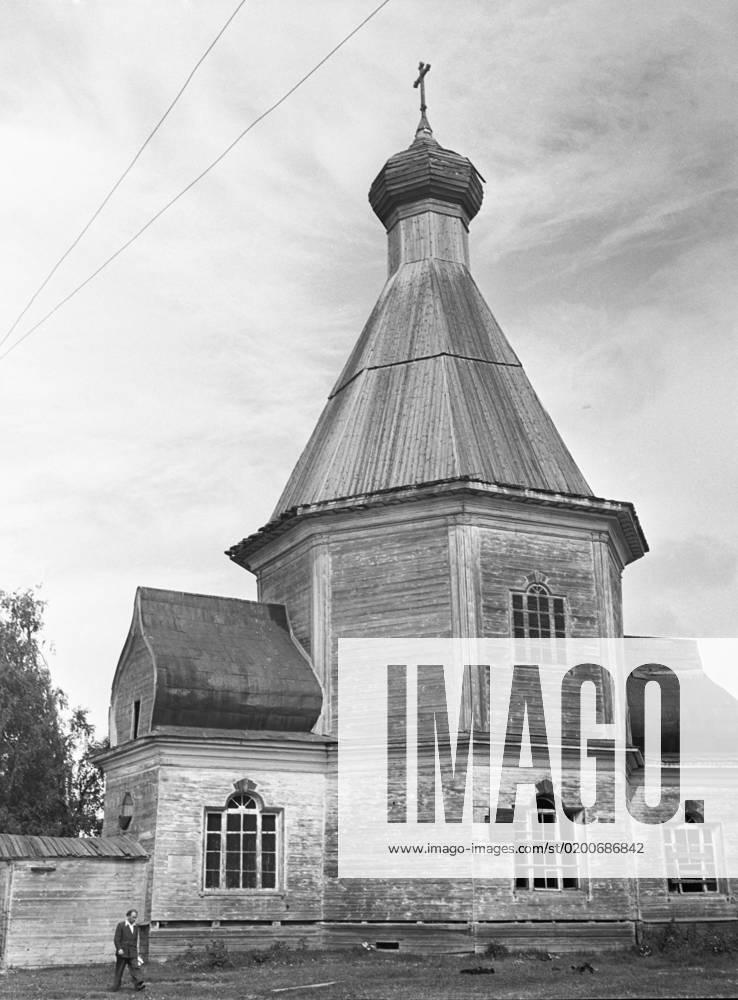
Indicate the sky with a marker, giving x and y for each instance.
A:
(154, 420)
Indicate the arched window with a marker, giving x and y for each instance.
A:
(241, 845)
(536, 614)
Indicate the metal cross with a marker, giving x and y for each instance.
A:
(420, 82)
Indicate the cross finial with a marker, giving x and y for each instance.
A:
(420, 82)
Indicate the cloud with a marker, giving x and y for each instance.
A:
(698, 562)
(155, 420)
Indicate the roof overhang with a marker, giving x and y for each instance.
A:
(622, 513)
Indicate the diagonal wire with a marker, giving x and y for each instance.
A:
(122, 177)
(195, 180)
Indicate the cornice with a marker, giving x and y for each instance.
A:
(477, 498)
(279, 751)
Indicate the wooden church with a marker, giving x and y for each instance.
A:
(435, 498)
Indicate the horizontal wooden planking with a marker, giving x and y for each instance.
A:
(462, 899)
(560, 936)
(135, 681)
(442, 937)
(565, 558)
(391, 583)
(178, 860)
(166, 942)
(410, 937)
(89, 895)
(141, 786)
(286, 583)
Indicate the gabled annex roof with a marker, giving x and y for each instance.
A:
(196, 660)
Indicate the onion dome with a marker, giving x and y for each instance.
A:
(426, 176)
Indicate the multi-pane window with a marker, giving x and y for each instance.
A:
(692, 849)
(241, 845)
(538, 615)
(538, 869)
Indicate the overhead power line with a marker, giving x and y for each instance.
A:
(194, 181)
(122, 177)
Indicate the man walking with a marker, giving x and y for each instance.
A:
(126, 951)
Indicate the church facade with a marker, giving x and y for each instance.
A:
(436, 499)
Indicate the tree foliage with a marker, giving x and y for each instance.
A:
(48, 782)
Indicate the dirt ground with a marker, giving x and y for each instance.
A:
(357, 975)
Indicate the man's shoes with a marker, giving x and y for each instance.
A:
(141, 986)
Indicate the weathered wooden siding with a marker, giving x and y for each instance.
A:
(66, 910)
(567, 559)
(464, 899)
(437, 569)
(535, 935)
(141, 783)
(395, 582)
(616, 589)
(288, 582)
(440, 571)
(392, 583)
(184, 793)
(374, 581)
(169, 940)
(414, 937)
(6, 876)
(427, 234)
(136, 683)
(657, 904)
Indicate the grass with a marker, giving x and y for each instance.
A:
(361, 975)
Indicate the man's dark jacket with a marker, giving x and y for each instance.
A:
(126, 939)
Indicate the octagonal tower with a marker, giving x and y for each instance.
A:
(435, 497)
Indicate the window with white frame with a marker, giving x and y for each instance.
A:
(242, 845)
(539, 869)
(537, 614)
(692, 849)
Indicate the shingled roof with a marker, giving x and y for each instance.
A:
(426, 171)
(217, 663)
(19, 846)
